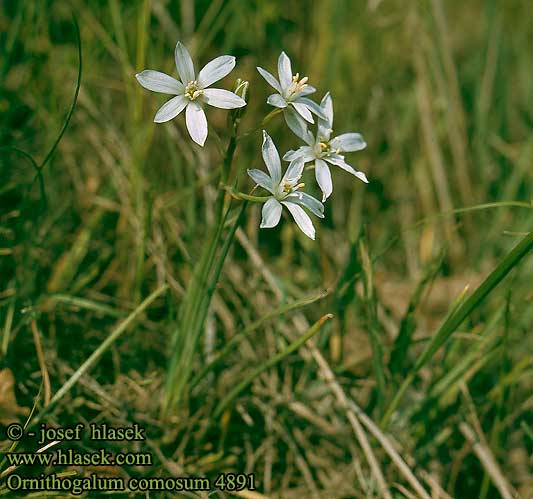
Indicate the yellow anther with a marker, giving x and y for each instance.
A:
(296, 85)
(287, 187)
(192, 91)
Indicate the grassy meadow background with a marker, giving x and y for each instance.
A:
(442, 92)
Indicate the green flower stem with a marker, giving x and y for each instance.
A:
(246, 197)
(217, 268)
(266, 119)
(200, 304)
(191, 325)
(199, 292)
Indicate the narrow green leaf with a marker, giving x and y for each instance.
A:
(370, 307)
(231, 344)
(462, 312)
(233, 394)
(408, 323)
(95, 356)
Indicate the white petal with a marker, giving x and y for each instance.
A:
(294, 170)
(303, 111)
(313, 106)
(308, 154)
(361, 176)
(271, 214)
(196, 123)
(327, 107)
(323, 177)
(307, 90)
(171, 109)
(284, 71)
(324, 130)
(339, 161)
(184, 63)
(304, 199)
(269, 79)
(216, 70)
(262, 179)
(292, 154)
(349, 142)
(334, 159)
(309, 139)
(159, 82)
(223, 99)
(277, 100)
(305, 152)
(271, 158)
(301, 218)
(295, 123)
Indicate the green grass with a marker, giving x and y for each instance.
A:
(420, 383)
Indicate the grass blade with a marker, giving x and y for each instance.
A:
(456, 319)
(269, 363)
(374, 328)
(74, 100)
(408, 323)
(95, 356)
(231, 344)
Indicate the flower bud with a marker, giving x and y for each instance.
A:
(241, 89)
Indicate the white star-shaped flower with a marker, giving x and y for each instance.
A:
(191, 92)
(322, 149)
(291, 96)
(285, 191)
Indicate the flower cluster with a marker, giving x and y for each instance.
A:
(291, 97)
(320, 149)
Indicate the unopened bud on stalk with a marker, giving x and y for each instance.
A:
(241, 89)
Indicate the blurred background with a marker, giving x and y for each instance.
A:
(442, 92)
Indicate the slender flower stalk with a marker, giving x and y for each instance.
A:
(192, 91)
(195, 304)
(291, 97)
(285, 191)
(263, 123)
(322, 149)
